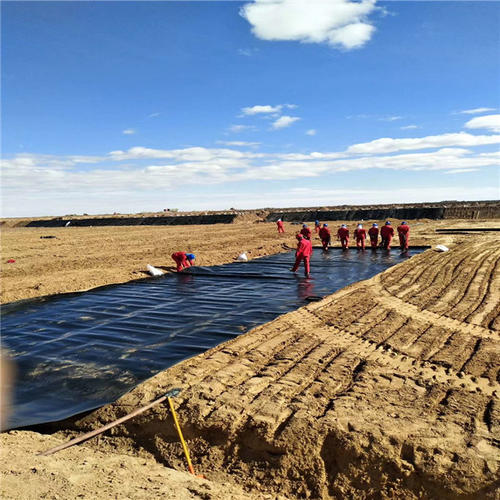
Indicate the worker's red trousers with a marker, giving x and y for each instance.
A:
(360, 243)
(344, 242)
(403, 240)
(373, 242)
(181, 261)
(325, 242)
(386, 242)
(298, 259)
(281, 229)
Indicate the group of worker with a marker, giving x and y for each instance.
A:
(305, 249)
(360, 235)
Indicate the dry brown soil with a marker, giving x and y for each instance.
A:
(387, 389)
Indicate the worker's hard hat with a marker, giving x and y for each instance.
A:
(298, 236)
(343, 225)
(190, 256)
(316, 221)
(375, 225)
(304, 225)
(279, 220)
(388, 223)
(404, 222)
(360, 226)
(325, 225)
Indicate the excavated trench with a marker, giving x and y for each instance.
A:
(76, 352)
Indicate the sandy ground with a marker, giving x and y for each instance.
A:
(386, 389)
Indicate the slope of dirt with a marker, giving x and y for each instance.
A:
(388, 388)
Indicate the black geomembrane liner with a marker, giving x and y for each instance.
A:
(78, 351)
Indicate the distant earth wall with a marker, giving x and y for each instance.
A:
(487, 212)
(136, 221)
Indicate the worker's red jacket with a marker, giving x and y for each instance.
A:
(360, 234)
(343, 232)
(304, 248)
(280, 224)
(306, 232)
(386, 231)
(404, 229)
(373, 232)
(324, 233)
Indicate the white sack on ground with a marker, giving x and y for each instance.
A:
(154, 271)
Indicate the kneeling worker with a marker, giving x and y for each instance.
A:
(183, 260)
(303, 253)
(324, 234)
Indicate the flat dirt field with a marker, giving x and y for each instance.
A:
(388, 388)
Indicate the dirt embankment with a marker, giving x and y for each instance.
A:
(386, 389)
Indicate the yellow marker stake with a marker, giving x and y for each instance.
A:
(184, 445)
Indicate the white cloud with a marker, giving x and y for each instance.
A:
(389, 145)
(339, 23)
(461, 171)
(390, 118)
(475, 111)
(128, 131)
(489, 122)
(154, 115)
(238, 143)
(284, 121)
(311, 131)
(409, 127)
(261, 109)
(240, 128)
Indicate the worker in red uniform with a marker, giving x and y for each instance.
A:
(360, 235)
(325, 235)
(373, 234)
(404, 235)
(343, 236)
(281, 227)
(303, 253)
(386, 234)
(305, 232)
(183, 260)
(317, 226)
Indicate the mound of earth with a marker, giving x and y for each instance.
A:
(387, 388)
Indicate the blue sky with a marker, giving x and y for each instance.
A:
(140, 106)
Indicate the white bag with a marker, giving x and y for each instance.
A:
(154, 271)
(441, 248)
(242, 257)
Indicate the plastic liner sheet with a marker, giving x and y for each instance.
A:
(78, 351)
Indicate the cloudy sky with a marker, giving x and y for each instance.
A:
(131, 106)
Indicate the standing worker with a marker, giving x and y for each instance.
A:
(303, 253)
(305, 232)
(317, 226)
(387, 233)
(281, 227)
(183, 260)
(343, 236)
(373, 233)
(404, 235)
(324, 234)
(360, 235)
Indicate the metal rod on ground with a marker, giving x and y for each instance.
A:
(184, 445)
(91, 434)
